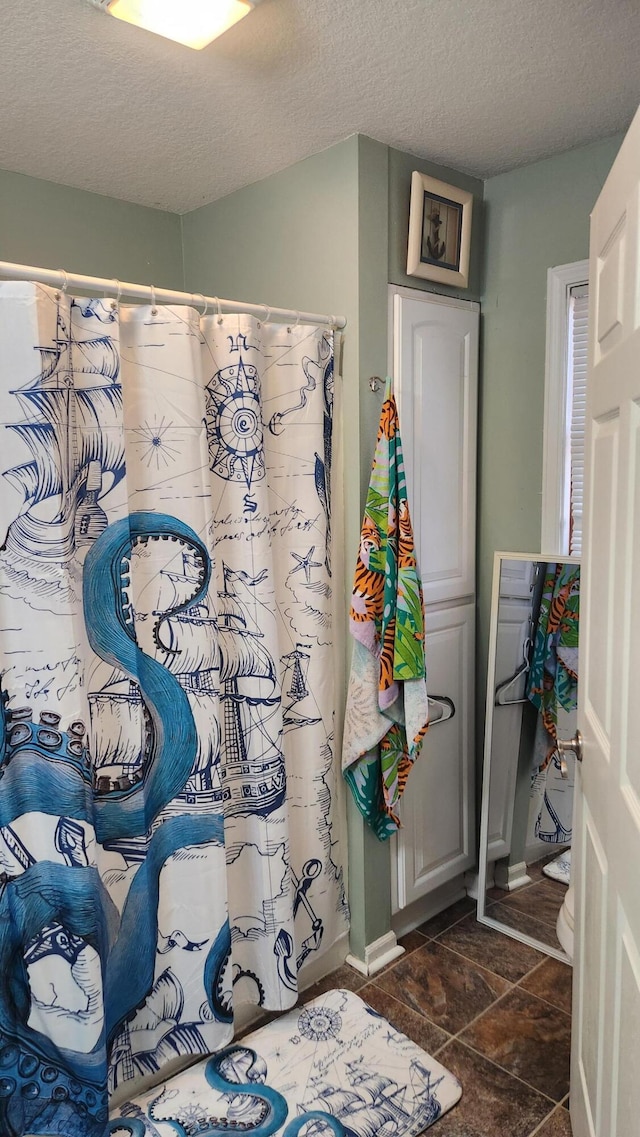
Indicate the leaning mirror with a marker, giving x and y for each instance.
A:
(528, 783)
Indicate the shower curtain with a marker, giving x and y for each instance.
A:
(169, 845)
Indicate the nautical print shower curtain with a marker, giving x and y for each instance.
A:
(168, 837)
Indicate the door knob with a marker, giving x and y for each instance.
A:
(568, 745)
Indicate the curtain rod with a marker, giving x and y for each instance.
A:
(58, 278)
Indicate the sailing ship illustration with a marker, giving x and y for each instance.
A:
(224, 666)
(253, 773)
(72, 429)
(374, 1105)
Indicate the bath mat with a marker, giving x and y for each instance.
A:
(334, 1068)
(560, 869)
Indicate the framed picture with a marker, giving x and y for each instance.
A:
(439, 231)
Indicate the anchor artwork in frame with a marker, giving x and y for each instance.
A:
(439, 231)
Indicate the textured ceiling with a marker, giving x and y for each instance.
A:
(479, 85)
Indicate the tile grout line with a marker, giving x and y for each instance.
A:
(516, 908)
(483, 967)
(539, 1128)
(457, 1038)
(539, 926)
(546, 1002)
(516, 1078)
(513, 984)
(475, 1019)
(510, 988)
(541, 997)
(418, 1014)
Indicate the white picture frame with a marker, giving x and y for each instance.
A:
(439, 231)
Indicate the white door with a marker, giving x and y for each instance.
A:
(434, 342)
(436, 842)
(605, 1075)
(435, 369)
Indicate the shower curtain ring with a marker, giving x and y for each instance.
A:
(219, 307)
(115, 303)
(296, 323)
(205, 303)
(154, 310)
(64, 286)
(265, 319)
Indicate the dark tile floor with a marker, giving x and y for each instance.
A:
(494, 1012)
(534, 907)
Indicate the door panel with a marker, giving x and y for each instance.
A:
(435, 370)
(436, 842)
(605, 1087)
(626, 1084)
(593, 909)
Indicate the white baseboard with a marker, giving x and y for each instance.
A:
(510, 877)
(377, 955)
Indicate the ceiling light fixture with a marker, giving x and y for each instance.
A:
(194, 23)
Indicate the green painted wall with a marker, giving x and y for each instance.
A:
(536, 217)
(54, 226)
(369, 862)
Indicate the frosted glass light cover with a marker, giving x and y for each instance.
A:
(195, 23)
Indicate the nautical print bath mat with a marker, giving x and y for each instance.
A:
(333, 1068)
(560, 869)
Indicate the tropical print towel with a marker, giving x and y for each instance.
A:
(553, 677)
(387, 709)
(553, 689)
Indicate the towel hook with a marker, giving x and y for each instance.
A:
(375, 383)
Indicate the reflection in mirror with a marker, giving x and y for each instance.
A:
(528, 785)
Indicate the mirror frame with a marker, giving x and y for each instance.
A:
(481, 912)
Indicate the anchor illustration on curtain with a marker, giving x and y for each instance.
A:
(168, 836)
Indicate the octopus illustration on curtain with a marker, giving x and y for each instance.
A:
(168, 836)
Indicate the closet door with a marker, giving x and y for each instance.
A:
(436, 842)
(435, 368)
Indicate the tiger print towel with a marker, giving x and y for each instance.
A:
(387, 710)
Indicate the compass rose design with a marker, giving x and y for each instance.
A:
(234, 424)
(319, 1024)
